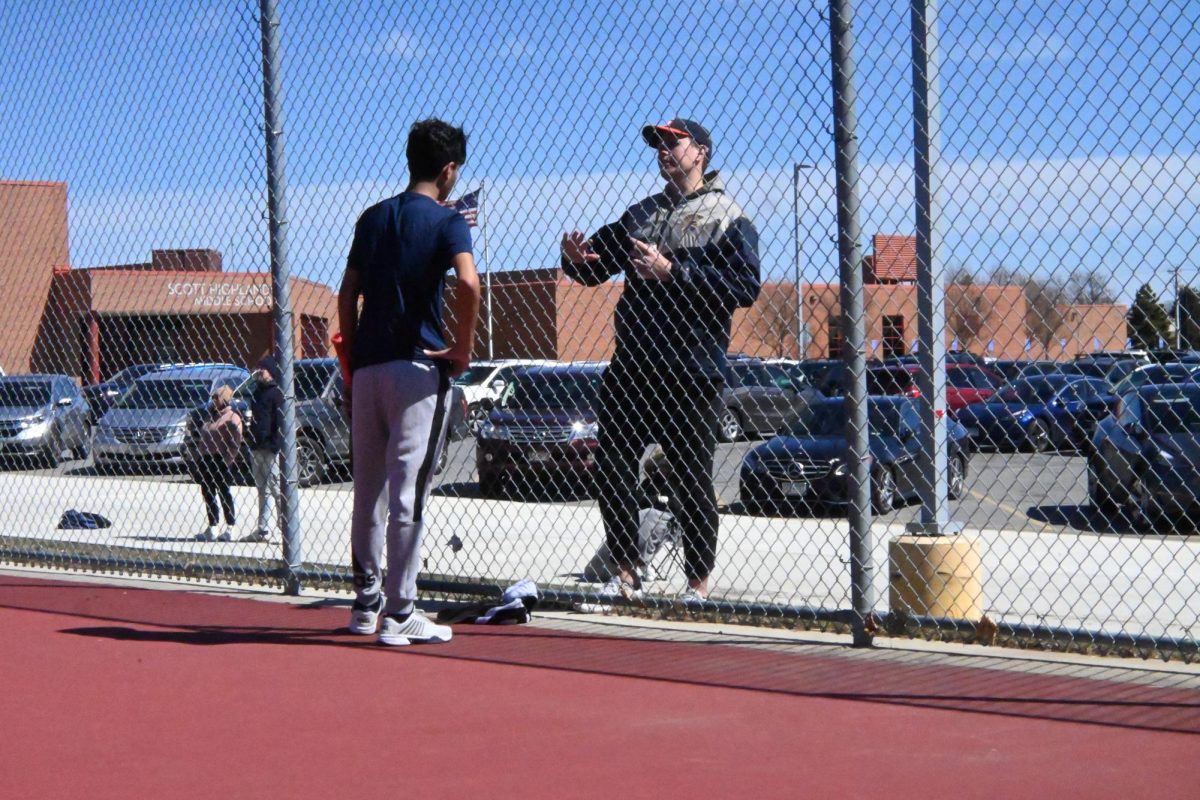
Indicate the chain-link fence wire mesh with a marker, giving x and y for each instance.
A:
(1067, 181)
(133, 238)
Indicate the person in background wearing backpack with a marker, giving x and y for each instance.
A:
(266, 443)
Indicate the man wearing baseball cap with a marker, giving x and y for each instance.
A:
(690, 257)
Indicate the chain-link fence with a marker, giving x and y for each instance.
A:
(912, 349)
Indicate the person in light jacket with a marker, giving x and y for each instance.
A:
(217, 438)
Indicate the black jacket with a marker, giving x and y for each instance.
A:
(681, 324)
(266, 418)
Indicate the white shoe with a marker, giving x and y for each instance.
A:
(209, 534)
(226, 535)
(614, 589)
(417, 628)
(364, 619)
(690, 596)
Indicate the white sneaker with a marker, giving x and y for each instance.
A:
(417, 628)
(226, 535)
(617, 588)
(690, 596)
(614, 589)
(364, 619)
(209, 534)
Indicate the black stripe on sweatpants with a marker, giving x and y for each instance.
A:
(439, 414)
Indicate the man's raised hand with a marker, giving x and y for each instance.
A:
(576, 249)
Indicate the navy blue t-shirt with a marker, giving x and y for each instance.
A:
(402, 249)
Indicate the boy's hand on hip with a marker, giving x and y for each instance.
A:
(458, 357)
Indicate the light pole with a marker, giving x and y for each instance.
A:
(801, 338)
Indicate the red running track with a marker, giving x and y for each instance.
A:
(116, 692)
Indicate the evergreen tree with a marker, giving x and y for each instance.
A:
(1148, 322)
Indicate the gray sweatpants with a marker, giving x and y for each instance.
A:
(397, 429)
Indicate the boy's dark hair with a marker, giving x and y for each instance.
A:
(432, 144)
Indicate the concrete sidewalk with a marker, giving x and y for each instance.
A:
(1120, 584)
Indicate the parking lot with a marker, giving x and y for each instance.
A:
(1044, 492)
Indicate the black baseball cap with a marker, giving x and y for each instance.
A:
(678, 128)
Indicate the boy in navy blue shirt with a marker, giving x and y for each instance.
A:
(401, 369)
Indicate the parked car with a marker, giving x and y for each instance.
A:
(485, 380)
(1039, 412)
(791, 370)
(891, 378)
(149, 422)
(759, 400)
(1169, 355)
(1174, 372)
(808, 466)
(1145, 460)
(101, 396)
(41, 416)
(817, 370)
(967, 384)
(322, 429)
(1012, 369)
(543, 428)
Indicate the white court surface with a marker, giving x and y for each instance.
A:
(1116, 583)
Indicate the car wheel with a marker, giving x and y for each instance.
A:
(1144, 511)
(730, 426)
(491, 486)
(883, 491)
(1100, 498)
(957, 478)
(1037, 438)
(51, 455)
(84, 448)
(310, 460)
(476, 414)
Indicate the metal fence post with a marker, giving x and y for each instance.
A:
(801, 334)
(841, 15)
(289, 505)
(931, 292)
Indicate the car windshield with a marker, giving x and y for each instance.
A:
(889, 380)
(1028, 391)
(311, 380)
(1089, 369)
(1173, 414)
(14, 394)
(474, 374)
(1165, 373)
(166, 394)
(553, 390)
(829, 419)
(965, 378)
(131, 374)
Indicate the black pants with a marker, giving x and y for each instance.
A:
(679, 414)
(212, 473)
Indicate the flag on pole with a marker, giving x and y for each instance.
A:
(468, 206)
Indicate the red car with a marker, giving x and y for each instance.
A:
(965, 384)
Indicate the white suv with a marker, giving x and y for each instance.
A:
(485, 380)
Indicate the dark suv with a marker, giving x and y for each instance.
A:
(543, 430)
(760, 399)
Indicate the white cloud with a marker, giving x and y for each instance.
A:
(402, 44)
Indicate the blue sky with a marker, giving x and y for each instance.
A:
(1069, 133)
